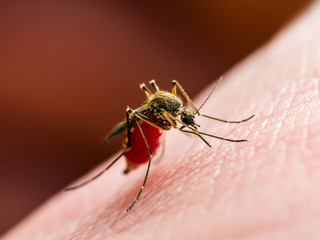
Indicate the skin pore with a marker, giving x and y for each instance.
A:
(266, 188)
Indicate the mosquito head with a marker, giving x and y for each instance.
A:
(187, 117)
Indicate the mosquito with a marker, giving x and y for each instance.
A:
(144, 127)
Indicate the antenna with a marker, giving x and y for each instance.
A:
(219, 80)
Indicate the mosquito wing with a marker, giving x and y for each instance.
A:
(117, 129)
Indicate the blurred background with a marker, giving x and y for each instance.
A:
(68, 69)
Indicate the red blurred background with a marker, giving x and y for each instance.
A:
(68, 69)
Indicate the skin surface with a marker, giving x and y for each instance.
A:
(266, 188)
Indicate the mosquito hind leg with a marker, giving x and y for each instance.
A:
(96, 176)
(149, 163)
(128, 146)
(154, 85)
(145, 89)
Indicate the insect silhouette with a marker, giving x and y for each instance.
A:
(144, 127)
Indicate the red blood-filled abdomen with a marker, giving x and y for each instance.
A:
(139, 152)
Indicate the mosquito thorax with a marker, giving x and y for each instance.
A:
(163, 100)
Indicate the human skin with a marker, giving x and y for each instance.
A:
(266, 188)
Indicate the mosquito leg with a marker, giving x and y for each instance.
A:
(154, 85)
(218, 119)
(202, 138)
(128, 146)
(225, 121)
(174, 87)
(149, 163)
(145, 89)
(169, 117)
(98, 175)
(170, 120)
(214, 136)
(175, 84)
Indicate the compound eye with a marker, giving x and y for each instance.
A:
(187, 117)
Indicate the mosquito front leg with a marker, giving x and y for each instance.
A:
(150, 157)
(193, 130)
(214, 136)
(172, 123)
(175, 84)
(226, 121)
